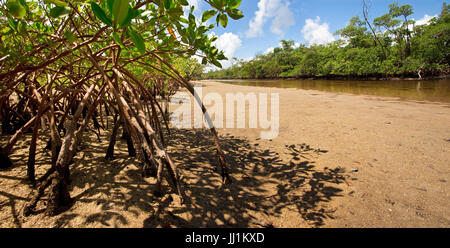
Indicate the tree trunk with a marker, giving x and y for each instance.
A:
(365, 14)
(127, 137)
(112, 141)
(6, 118)
(59, 197)
(5, 162)
(32, 155)
(33, 144)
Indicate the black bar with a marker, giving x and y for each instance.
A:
(232, 238)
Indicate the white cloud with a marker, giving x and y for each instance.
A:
(269, 50)
(425, 20)
(283, 20)
(277, 10)
(315, 33)
(228, 43)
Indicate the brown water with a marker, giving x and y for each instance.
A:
(429, 90)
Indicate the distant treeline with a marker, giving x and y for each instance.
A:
(392, 45)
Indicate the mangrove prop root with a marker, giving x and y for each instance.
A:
(30, 207)
(5, 162)
(59, 197)
(64, 97)
(112, 141)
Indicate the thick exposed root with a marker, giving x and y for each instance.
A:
(59, 198)
(5, 162)
(112, 142)
(30, 207)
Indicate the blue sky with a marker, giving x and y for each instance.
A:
(266, 22)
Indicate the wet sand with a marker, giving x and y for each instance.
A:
(340, 160)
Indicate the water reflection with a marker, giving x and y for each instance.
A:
(431, 90)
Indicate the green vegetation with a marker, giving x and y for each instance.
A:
(389, 46)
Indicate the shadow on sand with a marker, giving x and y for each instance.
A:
(266, 186)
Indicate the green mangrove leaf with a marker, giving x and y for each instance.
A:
(223, 20)
(70, 36)
(130, 16)
(235, 14)
(117, 39)
(184, 2)
(208, 15)
(233, 4)
(110, 4)
(60, 11)
(218, 3)
(168, 4)
(16, 9)
(216, 63)
(100, 14)
(120, 11)
(137, 40)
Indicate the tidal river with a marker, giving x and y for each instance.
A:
(427, 90)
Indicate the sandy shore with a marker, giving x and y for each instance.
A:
(339, 161)
(401, 150)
